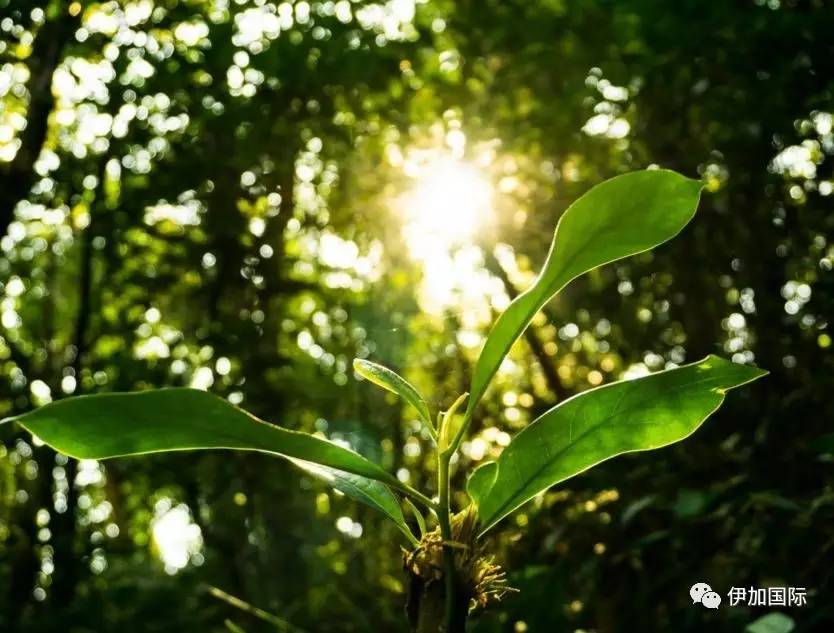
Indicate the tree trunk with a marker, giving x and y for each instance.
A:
(18, 176)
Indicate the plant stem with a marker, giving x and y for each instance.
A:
(416, 495)
(446, 450)
(279, 623)
(443, 516)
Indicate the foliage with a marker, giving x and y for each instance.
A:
(626, 215)
(209, 198)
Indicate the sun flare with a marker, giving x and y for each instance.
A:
(449, 202)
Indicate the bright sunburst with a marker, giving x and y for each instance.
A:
(449, 202)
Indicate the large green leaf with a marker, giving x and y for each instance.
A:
(626, 416)
(118, 424)
(121, 424)
(393, 382)
(372, 493)
(623, 216)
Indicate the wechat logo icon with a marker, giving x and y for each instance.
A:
(703, 593)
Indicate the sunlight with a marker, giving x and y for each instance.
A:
(450, 201)
(177, 539)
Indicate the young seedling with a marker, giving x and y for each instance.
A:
(450, 573)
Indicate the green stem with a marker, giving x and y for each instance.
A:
(274, 620)
(443, 516)
(414, 494)
(446, 450)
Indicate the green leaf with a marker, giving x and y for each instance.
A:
(232, 627)
(393, 382)
(626, 416)
(623, 216)
(449, 424)
(372, 493)
(119, 424)
(772, 623)
(418, 516)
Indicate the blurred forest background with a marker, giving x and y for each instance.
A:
(243, 195)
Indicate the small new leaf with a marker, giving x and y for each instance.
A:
(447, 424)
(418, 516)
(393, 382)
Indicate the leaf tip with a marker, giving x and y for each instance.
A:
(366, 369)
(741, 373)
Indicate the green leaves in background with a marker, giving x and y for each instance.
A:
(393, 382)
(623, 216)
(771, 623)
(626, 416)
